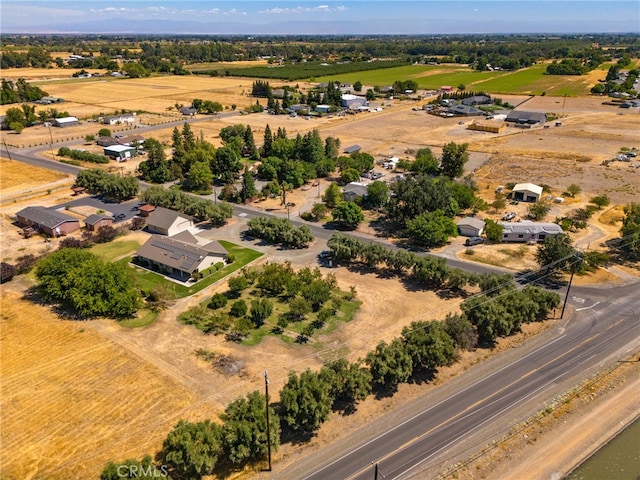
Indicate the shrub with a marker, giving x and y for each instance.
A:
(219, 300)
(239, 308)
(7, 272)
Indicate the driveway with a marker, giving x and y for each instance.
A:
(129, 209)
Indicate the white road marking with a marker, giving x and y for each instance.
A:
(587, 308)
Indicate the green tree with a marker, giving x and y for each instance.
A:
(248, 190)
(332, 196)
(574, 189)
(429, 345)
(493, 230)
(377, 194)
(15, 119)
(82, 281)
(104, 132)
(350, 383)
(305, 402)
(267, 142)
(319, 211)
(431, 229)
(200, 177)
(357, 86)
(600, 201)
(454, 158)
(349, 175)
(193, 449)
(250, 143)
(390, 364)
(299, 308)
(156, 168)
(244, 433)
(425, 163)
(556, 253)
(226, 164)
(630, 231)
(348, 214)
(370, 95)
(261, 309)
(538, 210)
(461, 331)
(238, 309)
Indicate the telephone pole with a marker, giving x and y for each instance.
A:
(266, 393)
(566, 297)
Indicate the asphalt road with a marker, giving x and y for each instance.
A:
(603, 329)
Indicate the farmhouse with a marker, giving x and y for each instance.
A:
(180, 256)
(168, 222)
(48, 221)
(65, 122)
(526, 192)
(465, 111)
(526, 119)
(354, 190)
(95, 222)
(476, 100)
(129, 140)
(118, 119)
(471, 227)
(120, 152)
(528, 231)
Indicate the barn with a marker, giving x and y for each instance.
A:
(120, 152)
(352, 101)
(65, 122)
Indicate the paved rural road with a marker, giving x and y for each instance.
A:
(414, 442)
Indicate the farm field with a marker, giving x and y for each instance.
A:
(73, 399)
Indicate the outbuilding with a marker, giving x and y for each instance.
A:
(120, 152)
(96, 221)
(118, 119)
(168, 222)
(354, 190)
(65, 122)
(526, 192)
(323, 108)
(471, 227)
(352, 149)
(352, 101)
(521, 118)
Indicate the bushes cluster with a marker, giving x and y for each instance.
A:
(112, 187)
(280, 231)
(82, 155)
(199, 208)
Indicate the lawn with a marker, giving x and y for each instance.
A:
(115, 250)
(148, 280)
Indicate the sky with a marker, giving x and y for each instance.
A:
(319, 17)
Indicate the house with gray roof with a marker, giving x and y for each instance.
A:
(180, 256)
(168, 222)
(354, 190)
(96, 221)
(521, 118)
(528, 231)
(476, 100)
(48, 221)
(465, 111)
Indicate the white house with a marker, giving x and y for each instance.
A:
(168, 222)
(528, 231)
(180, 257)
(118, 119)
(526, 192)
(471, 227)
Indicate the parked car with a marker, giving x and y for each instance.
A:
(471, 241)
(119, 217)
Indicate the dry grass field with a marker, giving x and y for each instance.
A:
(17, 176)
(73, 400)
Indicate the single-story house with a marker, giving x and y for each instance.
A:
(528, 231)
(526, 118)
(107, 141)
(476, 100)
(352, 149)
(65, 122)
(129, 140)
(526, 192)
(168, 222)
(465, 111)
(180, 256)
(96, 221)
(146, 209)
(48, 221)
(120, 152)
(471, 227)
(188, 111)
(118, 119)
(354, 190)
(323, 108)
(446, 88)
(352, 101)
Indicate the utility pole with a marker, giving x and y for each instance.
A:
(566, 297)
(266, 392)
(7, 149)
(50, 140)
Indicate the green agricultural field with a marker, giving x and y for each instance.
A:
(530, 80)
